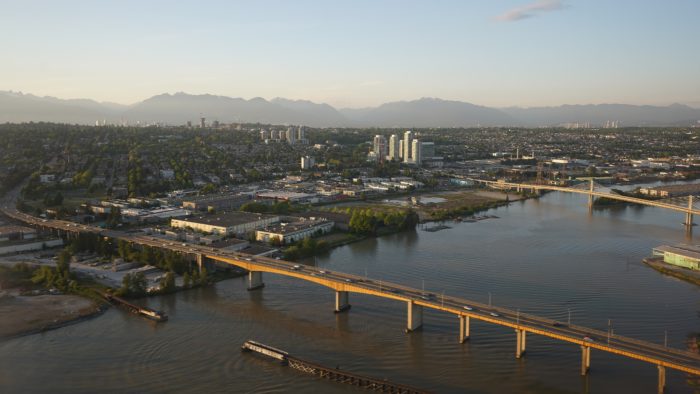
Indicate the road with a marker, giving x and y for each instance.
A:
(583, 336)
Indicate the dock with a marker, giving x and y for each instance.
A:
(334, 374)
(139, 310)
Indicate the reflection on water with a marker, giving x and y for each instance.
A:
(549, 257)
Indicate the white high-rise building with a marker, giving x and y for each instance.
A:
(379, 147)
(300, 133)
(394, 148)
(407, 143)
(264, 135)
(417, 152)
(401, 149)
(291, 135)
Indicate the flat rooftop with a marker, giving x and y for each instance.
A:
(228, 219)
(692, 251)
(289, 228)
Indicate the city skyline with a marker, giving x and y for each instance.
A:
(509, 53)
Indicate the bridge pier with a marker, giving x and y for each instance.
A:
(689, 214)
(463, 328)
(255, 280)
(341, 301)
(585, 360)
(415, 317)
(200, 262)
(520, 336)
(662, 379)
(590, 195)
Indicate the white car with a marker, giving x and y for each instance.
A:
(467, 307)
(494, 314)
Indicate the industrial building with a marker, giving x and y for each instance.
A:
(216, 202)
(232, 223)
(671, 190)
(686, 256)
(289, 233)
(16, 233)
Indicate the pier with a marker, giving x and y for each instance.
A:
(334, 374)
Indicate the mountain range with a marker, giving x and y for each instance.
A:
(178, 108)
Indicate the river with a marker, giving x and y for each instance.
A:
(548, 257)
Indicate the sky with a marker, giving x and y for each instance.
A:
(356, 53)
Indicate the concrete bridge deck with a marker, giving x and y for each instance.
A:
(415, 299)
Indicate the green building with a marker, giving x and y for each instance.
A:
(686, 256)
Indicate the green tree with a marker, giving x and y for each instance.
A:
(203, 277)
(167, 283)
(63, 262)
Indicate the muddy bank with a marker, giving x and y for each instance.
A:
(24, 315)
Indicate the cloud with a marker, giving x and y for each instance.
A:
(530, 10)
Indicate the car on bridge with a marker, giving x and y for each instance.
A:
(467, 307)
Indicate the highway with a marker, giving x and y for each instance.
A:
(341, 282)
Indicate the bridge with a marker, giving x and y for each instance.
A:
(414, 300)
(678, 204)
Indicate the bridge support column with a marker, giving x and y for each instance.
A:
(590, 195)
(463, 328)
(585, 360)
(255, 280)
(341, 301)
(662, 379)
(689, 214)
(415, 317)
(520, 336)
(200, 262)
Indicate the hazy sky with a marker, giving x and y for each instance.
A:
(356, 53)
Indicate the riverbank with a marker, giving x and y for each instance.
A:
(685, 274)
(31, 314)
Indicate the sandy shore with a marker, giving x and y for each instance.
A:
(29, 314)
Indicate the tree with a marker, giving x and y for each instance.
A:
(187, 280)
(167, 283)
(63, 262)
(203, 279)
(134, 285)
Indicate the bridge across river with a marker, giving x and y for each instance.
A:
(415, 301)
(688, 209)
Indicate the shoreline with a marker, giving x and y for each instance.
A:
(672, 270)
(96, 312)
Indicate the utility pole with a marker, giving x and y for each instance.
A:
(569, 320)
(489, 299)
